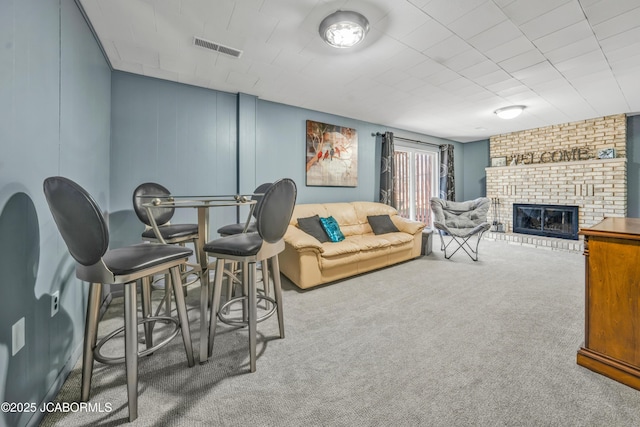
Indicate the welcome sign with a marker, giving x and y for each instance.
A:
(574, 154)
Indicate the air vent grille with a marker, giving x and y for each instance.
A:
(207, 44)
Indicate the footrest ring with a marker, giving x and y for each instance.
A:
(225, 319)
(113, 360)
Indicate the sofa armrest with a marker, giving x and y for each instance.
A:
(301, 241)
(408, 226)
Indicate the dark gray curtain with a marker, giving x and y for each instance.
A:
(386, 170)
(447, 181)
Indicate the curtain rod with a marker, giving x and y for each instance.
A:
(407, 139)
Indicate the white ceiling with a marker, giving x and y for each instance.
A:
(439, 67)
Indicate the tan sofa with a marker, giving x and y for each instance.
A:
(307, 262)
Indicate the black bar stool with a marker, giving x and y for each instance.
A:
(85, 232)
(272, 219)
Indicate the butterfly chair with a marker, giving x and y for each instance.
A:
(85, 232)
(461, 221)
(178, 234)
(272, 219)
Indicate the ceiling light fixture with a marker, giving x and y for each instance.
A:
(510, 112)
(343, 29)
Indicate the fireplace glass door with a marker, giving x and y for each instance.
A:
(546, 220)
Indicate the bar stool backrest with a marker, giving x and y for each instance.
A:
(78, 218)
(260, 191)
(275, 210)
(161, 215)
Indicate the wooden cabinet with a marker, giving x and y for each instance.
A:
(612, 300)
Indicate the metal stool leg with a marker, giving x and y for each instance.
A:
(252, 301)
(146, 311)
(131, 347)
(277, 290)
(181, 307)
(90, 337)
(215, 305)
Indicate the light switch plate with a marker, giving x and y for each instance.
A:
(17, 336)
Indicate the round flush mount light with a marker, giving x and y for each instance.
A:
(343, 29)
(510, 112)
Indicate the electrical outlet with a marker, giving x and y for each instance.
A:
(55, 303)
(17, 336)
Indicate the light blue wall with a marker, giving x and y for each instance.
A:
(280, 151)
(633, 166)
(474, 177)
(180, 136)
(54, 120)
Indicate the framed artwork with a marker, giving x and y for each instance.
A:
(331, 155)
(498, 161)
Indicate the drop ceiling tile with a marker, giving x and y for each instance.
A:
(291, 61)
(409, 85)
(495, 36)
(586, 63)
(618, 24)
(480, 19)
(480, 69)
(427, 35)
(522, 61)
(447, 11)
(464, 60)
(522, 11)
(503, 3)
(605, 10)
(493, 78)
(391, 77)
(623, 40)
(537, 73)
(242, 80)
(176, 64)
(572, 50)
(447, 48)
(442, 77)
(403, 19)
(134, 54)
(286, 37)
(247, 19)
(512, 48)
(426, 69)
(407, 58)
(564, 36)
(554, 20)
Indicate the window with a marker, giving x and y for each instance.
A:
(416, 180)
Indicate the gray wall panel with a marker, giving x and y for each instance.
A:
(177, 135)
(54, 119)
(475, 159)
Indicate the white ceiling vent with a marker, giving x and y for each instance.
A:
(207, 44)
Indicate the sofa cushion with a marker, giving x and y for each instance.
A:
(382, 224)
(312, 226)
(332, 228)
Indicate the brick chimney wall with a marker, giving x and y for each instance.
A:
(559, 165)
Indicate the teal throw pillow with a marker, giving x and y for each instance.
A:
(332, 229)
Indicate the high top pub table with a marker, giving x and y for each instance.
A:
(202, 204)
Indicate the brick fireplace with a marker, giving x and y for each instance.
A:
(559, 165)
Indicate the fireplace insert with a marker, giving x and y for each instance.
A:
(546, 220)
